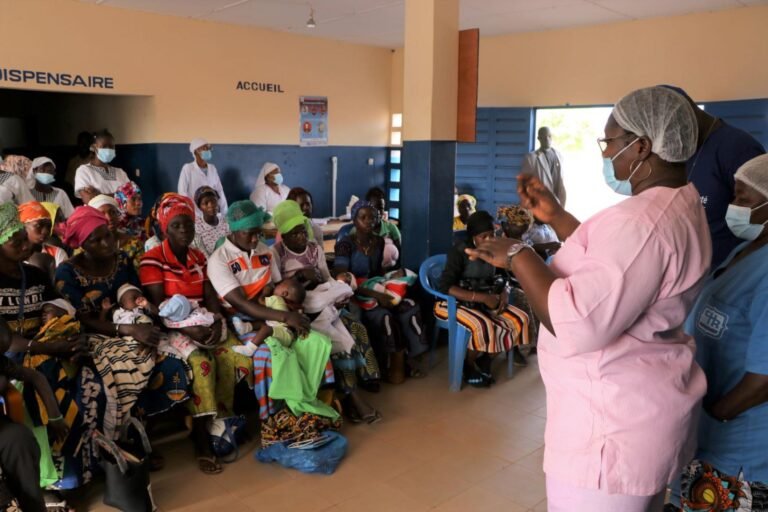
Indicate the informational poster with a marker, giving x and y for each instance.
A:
(313, 121)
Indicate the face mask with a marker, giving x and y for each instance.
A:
(623, 187)
(106, 155)
(738, 220)
(278, 179)
(44, 178)
(206, 155)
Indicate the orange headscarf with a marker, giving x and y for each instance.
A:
(32, 211)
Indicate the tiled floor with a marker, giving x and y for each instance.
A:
(474, 451)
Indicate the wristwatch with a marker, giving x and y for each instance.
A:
(513, 250)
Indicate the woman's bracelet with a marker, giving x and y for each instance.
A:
(29, 347)
(57, 418)
(473, 297)
(117, 330)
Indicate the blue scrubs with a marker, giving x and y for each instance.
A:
(730, 324)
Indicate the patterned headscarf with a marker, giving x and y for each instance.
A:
(204, 191)
(359, 205)
(172, 206)
(81, 224)
(9, 222)
(18, 165)
(125, 193)
(32, 211)
(245, 215)
(514, 214)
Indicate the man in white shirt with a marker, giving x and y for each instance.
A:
(545, 164)
(201, 173)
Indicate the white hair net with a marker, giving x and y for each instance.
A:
(755, 174)
(196, 143)
(663, 116)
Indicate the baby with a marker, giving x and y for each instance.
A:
(288, 295)
(134, 307)
(395, 284)
(190, 324)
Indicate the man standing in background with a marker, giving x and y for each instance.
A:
(545, 163)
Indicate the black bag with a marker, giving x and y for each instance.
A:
(126, 468)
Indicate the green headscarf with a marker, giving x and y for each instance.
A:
(9, 222)
(244, 215)
(288, 215)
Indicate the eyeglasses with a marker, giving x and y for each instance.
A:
(602, 142)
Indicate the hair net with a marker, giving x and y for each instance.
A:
(755, 174)
(40, 161)
(663, 116)
(244, 215)
(195, 144)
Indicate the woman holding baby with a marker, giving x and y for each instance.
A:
(176, 280)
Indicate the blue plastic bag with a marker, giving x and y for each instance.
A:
(323, 459)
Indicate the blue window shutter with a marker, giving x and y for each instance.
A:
(488, 168)
(749, 115)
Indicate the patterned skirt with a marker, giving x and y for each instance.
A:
(359, 364)
(490, 333)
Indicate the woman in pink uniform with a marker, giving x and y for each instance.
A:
(623, 388)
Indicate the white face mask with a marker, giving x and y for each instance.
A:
(738, 219)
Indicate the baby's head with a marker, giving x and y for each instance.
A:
(292, 292)
(56, 309)
(129, 297)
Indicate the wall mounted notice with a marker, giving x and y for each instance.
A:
(29, 76)
(313, 121)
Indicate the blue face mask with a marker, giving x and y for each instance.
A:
(278, 179)
(738, 219)
(206, 155)
(623, 187)
(106, 155)
(44, 178)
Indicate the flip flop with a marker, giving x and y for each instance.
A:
(373, 417)
(213, 468)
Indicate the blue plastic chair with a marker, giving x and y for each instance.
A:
(458, 336)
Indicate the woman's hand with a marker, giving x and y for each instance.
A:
(538, 198)
(58, 430)
(493, 251)
(297, 322)
(490, 300)
(146, 334)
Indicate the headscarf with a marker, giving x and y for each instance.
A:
(479, 222)
(203, 191)
(267, 168)
(39, 162)
(196, 143)
(62, 304)
(288, 215)
(81, 224)
(125, 193)
(52, 209)
(172, 206)
(18, 165)
(101, 200)
(9, 222)
(755, 174)
(514, 214)
(150, 224)
(32, 211)
(662, 115)
(244, 215)
(467, 197)
(359, 205)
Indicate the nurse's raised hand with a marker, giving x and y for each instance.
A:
(538, 199)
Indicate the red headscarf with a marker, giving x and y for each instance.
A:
(32, 211)
(173, 205)
(81, 224)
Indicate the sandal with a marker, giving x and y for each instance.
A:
(209, 465)
(55, 502)
(353, 416)
(475, 378)
(373, 417)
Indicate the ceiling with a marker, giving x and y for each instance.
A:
(380, 22)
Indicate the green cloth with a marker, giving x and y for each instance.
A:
(48, 473)
(245, 215)
(280, 331)
(9, 222)
(297, 372)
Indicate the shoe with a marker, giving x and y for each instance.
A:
(518, 359)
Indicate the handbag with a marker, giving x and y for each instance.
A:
(126, 468)
(320, 455)
(227, 435)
